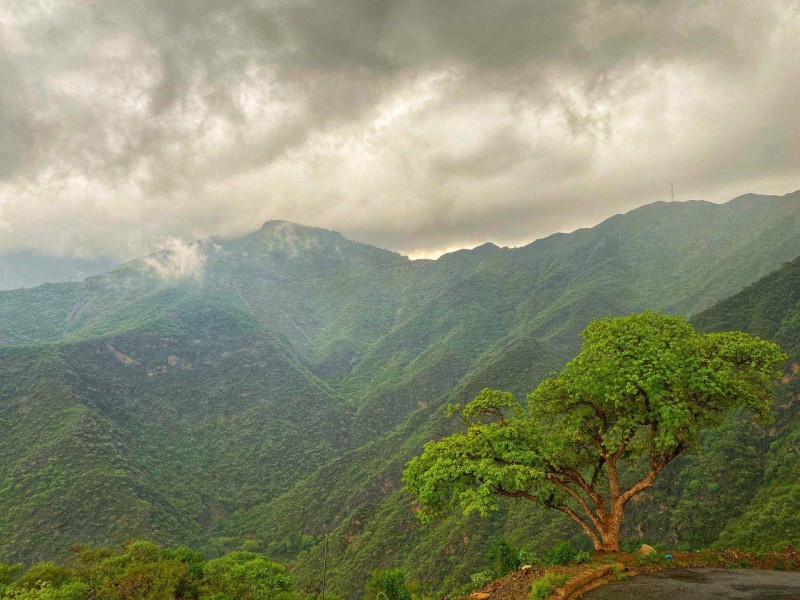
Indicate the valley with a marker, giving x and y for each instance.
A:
(260, 392)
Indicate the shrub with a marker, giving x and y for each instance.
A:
(480, 578)
(248, 576)
(582, 557)
(564, 553)
(388, 584)
(47, 572)
(45, 591)
(9, 574)
(543, 588)
(503, 558)
(527, 557)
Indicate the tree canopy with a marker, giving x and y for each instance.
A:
(597, 434)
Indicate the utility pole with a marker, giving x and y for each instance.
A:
(324, 564)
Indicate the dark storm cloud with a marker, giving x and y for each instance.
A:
(418, 125)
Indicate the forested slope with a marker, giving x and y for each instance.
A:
(258, 391)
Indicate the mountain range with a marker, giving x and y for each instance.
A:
(25, 268)
(263, 391)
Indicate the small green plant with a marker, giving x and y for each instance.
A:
(740, 564)
(650, 560)
(502, 556)
(619, 573)
(480, 579)
(527, 557)
(582, 557)
(545, 586)
(564, 553)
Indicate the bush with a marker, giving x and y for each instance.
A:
(45, 591)
(562, 553)
(9, 574)
(527, 557)
(582, 557)
(654, 559)
(480, 579)
(47, 572)
(503, 558)
(388, 584)
(245, 575)
(543, 588)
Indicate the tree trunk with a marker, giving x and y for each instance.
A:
(609, 534)
(609, 542)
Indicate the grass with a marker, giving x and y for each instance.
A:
(544, 587)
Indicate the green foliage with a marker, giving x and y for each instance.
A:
(142, 570)
(46, 591)
(282, 392)
(619, 573)
(388, 584)
(643, 386)
(247, 576)
(481, 578)
(564, 553)
(654, 559)
(545, 586)
(48, 572)
(528, 557)
(502, 557)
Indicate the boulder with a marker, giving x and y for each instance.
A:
(646, 550)
(480, 595)
(526, 567)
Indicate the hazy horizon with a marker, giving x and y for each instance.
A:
(28, 268)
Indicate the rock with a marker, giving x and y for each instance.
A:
(646, 550)
(526, 567)
(480, 595)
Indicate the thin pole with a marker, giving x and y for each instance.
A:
(324, 564)
(672, 191)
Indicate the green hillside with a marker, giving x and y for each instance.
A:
(770, 308)
(271, 388)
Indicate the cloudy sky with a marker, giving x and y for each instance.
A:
(417, 125)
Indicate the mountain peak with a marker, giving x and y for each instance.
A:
(294, 240)
(282, 227)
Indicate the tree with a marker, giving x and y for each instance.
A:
(388, 584)
(502, 557)
(597, 434)
(248, 576)
(141, 573)
(47, 572)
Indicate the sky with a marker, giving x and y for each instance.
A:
(416, 125)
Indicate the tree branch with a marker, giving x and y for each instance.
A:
(655, 466)
(596, 520)
(584, 525)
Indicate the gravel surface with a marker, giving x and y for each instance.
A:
(703, 584)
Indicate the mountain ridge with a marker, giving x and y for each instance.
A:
(258, 389)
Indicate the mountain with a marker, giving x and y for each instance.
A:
(260, 390)
(25, 268)
(770, 308)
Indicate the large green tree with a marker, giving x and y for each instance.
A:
(597, 434)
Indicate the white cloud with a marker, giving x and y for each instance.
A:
(177, 260)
